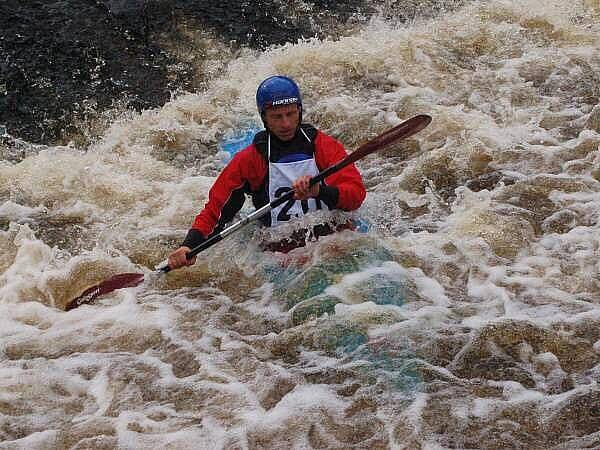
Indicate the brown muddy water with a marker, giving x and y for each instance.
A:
(464, 315)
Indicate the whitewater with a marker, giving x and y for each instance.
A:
(465, 313)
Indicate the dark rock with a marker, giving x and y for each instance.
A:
(64, 61)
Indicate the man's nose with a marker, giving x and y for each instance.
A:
(287, 121)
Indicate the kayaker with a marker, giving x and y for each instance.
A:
(284, 156)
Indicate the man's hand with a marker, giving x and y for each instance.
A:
(177, 259)
(302, 190)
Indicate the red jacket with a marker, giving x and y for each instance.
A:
(246, 173)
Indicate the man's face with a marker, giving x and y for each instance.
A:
(283, 120)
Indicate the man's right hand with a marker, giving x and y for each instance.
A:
(178, 259)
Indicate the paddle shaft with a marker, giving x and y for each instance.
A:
(401, 131)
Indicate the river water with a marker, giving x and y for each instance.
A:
(464, 314)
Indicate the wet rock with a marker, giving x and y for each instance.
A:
(71, 56)
(66, 61)
(15, 150)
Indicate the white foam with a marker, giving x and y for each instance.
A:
(490, 74)
(41, 440)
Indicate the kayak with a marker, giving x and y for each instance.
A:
(237, 140)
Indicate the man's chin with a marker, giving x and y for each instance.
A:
(286, 137)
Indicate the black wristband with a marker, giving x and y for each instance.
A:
(193, 239)
(329, 195)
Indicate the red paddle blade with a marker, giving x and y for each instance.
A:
(120, 281)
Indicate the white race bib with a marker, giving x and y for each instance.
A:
(281, 178)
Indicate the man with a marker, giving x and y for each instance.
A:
(282, 157)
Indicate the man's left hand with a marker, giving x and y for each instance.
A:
(302, 190)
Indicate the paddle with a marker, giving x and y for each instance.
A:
(401, 131)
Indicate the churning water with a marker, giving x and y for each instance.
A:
(466, 315)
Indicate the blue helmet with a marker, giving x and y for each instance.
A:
(277, 90)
